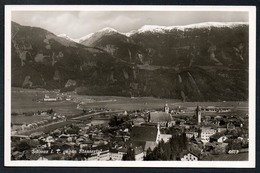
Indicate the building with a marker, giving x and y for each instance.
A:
(138, 121)
(116, 154)
(149, 144)
(221, 129)
(145, 136)
(166, 137)
(139, 153)
(218, 137)
(163, 118)
(191, 134)
(215, 109)
(103, 153)
(96, 121)
(145, 133)
(206, 133)
(48, 98)
(198, 115)
(166, 109)
(190, 156)
(231, 126)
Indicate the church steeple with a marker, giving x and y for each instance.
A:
(198, 114)
(166, 108)
(158, 138)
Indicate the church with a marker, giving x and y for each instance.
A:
(164, 118)
(145, 136)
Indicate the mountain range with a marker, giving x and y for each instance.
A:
(198, 62)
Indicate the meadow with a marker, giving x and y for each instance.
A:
(22, 119)
(23, 100)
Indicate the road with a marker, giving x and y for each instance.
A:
(97, 113)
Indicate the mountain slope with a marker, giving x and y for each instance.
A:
(200, 62)
(41, 59)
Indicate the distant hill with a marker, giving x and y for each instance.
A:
(199, 62)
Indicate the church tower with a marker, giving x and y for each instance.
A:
(198, 114)
(166, 108)
(158, 137)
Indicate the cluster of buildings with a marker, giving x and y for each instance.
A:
(23, 127)
(94, 138)
(210, 131)
(54, 97)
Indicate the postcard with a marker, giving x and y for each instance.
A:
(130, 86)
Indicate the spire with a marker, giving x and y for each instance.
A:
(166, 108)
(158, 129)
(158, 138)
(198, 108)
(198, 114)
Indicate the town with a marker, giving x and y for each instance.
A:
(196, 133)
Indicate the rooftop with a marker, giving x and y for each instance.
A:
(218, 135)
(143, 133)
(160, 117)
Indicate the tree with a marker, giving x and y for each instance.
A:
(169, 150)
(50, 111)
(23, 146)
(234, 145)
(115, 121)
(130, 154)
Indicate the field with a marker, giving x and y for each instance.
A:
(23, 100)
(22, 119)
(127, 103)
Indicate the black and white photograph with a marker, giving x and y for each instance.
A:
(130, 86)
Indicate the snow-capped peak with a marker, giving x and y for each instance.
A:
(90, 38)
(153, 28)
(162, 29)
(150, 28)
(107, 30)
(79, 40)
(66, 37)
(214, 24)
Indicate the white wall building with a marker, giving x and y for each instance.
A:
(190, 157)
(206, 132)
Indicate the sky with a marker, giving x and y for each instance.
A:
(77, 24)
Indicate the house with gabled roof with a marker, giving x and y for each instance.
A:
(218, 137)
(190, 156)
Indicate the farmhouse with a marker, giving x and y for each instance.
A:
(190, 156)
(50, 98)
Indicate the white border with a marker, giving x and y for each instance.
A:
(200, 164)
